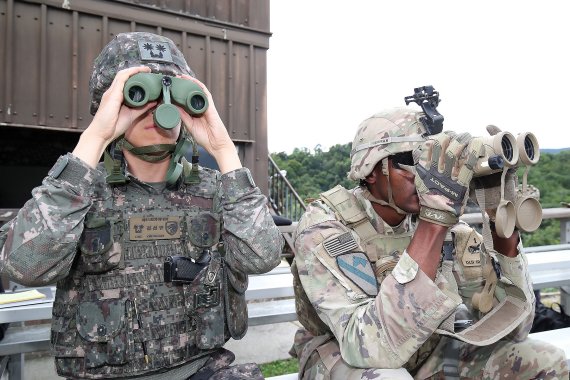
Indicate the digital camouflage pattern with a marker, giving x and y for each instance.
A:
(391, 335)
(130, 49)
(217, 368)
(106, 247)
(368, 148)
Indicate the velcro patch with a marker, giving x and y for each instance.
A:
(340, 244)
(155, 228)
(154, 51)
(357, 268)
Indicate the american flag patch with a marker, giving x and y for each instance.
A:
(340, 244)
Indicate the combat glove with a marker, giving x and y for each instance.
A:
(444, 167)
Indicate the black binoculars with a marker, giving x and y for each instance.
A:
(142, 88)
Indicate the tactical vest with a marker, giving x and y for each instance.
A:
(383, 250)
(115, 316)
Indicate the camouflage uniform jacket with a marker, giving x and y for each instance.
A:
(377, 326)
(106, 247)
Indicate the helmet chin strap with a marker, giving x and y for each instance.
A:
(390, 202)
(149, 153)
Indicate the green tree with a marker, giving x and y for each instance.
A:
(311, 173)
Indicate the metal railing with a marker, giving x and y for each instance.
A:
(283, 199)
(562, 214)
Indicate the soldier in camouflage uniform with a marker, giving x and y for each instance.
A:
(374, 293)
(106, 233)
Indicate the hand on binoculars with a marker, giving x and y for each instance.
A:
(444, 170)
(209, 131)
(491, 185)
(113, 118)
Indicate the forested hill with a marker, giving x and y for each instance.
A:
(312, 172)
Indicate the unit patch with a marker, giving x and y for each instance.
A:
(357, 268)
(153, 228)
(472, 255)
(340, 244)
(154, 51)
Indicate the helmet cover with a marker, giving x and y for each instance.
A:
(384, 134)
(134, 49)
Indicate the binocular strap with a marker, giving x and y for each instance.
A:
(498, 323)
(503, 318)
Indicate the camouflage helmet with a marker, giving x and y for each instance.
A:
(385, 133)
(134, 49)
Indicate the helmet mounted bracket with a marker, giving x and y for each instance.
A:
(428, 98)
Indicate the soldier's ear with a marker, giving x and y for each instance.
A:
(372, 177)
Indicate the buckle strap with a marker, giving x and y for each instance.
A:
(451, 359)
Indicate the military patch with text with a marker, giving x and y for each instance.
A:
(357, 267)
(472, 255)
(153, 228)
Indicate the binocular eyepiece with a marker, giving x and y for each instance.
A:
(504, 150)
(142, 88)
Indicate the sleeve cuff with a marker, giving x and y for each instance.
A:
(511, 265)
(236, 183)
(74, 173)
(406, 269)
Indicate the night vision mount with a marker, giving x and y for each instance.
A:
(428, 98)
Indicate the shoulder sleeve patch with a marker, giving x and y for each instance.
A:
(340, 244)
(357, 267)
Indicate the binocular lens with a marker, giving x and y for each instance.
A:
(507, 148)
(136, 94)
(529, 147)
(197, 102)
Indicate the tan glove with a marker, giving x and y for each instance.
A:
(444, 166)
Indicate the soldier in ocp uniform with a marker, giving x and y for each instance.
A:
(150, 253)
(388, 283)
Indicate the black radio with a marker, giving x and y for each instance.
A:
(181, 269)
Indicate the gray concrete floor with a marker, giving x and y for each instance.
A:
(261, 344)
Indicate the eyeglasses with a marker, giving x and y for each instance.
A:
(402, 158)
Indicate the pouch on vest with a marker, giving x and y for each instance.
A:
(203, 304)
(468, 261)
(204, 229)
(103, 324)
(501, 320)
(234, 287)
(99, 250)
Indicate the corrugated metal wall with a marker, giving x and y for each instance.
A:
(47, 48)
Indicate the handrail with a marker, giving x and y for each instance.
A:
(560, 213)
(283, 198)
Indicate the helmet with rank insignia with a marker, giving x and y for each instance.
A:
(163, 57)
(134, 49)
